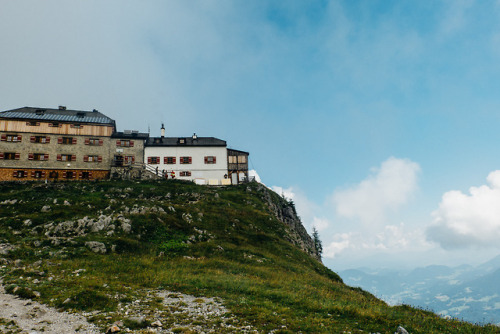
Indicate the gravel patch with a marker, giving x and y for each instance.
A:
(27, 316)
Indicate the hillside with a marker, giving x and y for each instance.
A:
(169, 256)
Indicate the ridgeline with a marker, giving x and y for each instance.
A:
(174, 257)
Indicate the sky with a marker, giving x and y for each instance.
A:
(378, 118)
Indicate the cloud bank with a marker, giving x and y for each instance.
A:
(467, 220)
(385, 190)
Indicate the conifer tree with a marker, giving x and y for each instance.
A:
(317, 242)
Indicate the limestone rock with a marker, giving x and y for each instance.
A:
(401, 330)
(96, 246)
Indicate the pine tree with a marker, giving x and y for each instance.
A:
(317, 242)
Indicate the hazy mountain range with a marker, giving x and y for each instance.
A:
(471, 293)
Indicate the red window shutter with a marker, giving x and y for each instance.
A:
(80, 175)
(64, 174)
(215, 159)
(19, 138)
(18, 156)
(74, 141)
(32, 173)
(31, 156)
(165, 160)
(45, 157)
(87, 141)
(190, 160)
(14, 174)
(133, 159)
(90, 175)
(85, 158)
(1, 155)
(47, 140)
(206, 160)
(157, 160)
(59, 157)
(174, 159)
(37, 123)
(59, 140)
(4, 137)
(99, 158)
(73, 175)
(149, 160)
(131, 143)
(100, 142)
(32, 139)
(43, 174)
(118, 143)
(73, 157)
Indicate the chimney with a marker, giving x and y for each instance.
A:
(195, 136)
(62, 107)
(162, 130)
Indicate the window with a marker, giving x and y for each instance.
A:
(10, 156)
(32, 123)
(93, 141)
(38, 174)
(186, 160)
(129, 159)
(66, 140)
(185, 173)
(20, 174)
(76, 126)
(182, 141)
(125, 143)
(68, 175)
(38, 156)
(53, 175)
(242, 159)
(66, 157)
(169, 160)
(55, 125)
(85, 175)
(13, 138)
(92, 158)
(210, 160)
(153, 160)
(232, 159)
(40, 139)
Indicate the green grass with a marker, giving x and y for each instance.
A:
(226, 245)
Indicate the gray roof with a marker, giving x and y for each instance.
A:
(59, 115)
(188, 141)
(130, 135)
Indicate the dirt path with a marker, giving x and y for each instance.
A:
(31, 317)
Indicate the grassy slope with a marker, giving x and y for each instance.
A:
(239, 255)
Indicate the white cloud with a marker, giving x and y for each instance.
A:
(253, 174)
(464, 220)
(389, 239)
(388, 188)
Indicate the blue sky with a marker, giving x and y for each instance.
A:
(366, 113)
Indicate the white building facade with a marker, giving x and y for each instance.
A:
(199, 159)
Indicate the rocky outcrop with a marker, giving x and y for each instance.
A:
(285, 212)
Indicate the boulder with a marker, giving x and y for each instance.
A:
(96, 246)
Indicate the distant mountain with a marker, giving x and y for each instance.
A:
(463, 292)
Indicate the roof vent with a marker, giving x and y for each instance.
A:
(195, 136)
(80, 114)
(62, 107)
(40, 111)
(95, 110)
